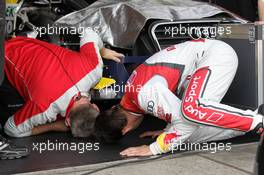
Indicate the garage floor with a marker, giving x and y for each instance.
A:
(239, 161)
(106, 160)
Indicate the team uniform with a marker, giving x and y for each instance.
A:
(199, 73)
(48, 77)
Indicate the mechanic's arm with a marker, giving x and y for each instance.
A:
(261, 9)
(54, 126)
(27, 121)
(91, 36)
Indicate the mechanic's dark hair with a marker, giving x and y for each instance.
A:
(82, 120)
(109, 125)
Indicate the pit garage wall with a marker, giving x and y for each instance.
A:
(247, 89)
(2, 30)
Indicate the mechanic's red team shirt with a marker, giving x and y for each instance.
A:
(203, 70)
(48, 77)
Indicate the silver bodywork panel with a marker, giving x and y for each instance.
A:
(119, 22)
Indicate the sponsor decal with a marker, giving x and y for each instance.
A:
(169, 137)
(196, 111)
(165, 141)
(164, 116)
(150, 107)
(10, 17)
(192, 95)
(215, 116)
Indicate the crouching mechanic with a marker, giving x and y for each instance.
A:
(202, 72)
(54, 82)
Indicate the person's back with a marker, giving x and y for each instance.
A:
(47, 77)
(43, 72)
(176, 64)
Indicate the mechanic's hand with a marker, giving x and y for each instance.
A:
(111, 55)
(152, 134)
(137, 151)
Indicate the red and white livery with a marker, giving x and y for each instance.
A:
(48, 77)
(200, 73)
